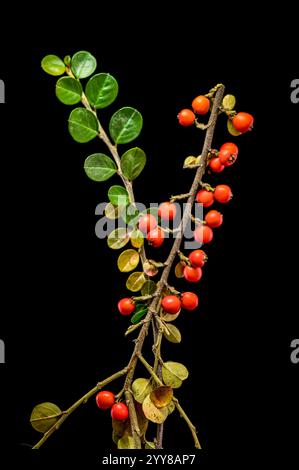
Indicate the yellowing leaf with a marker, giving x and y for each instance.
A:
(152, 413)
(44, 416)
(231, 129)
(141, 388)
(171, 407)
(118, 239)
(128, 261)
(179, 269)
(189, 161)
(161, 396)
(126, 442)
(113, 212)
(135, 281)
(137, 238)
(149, 445)
(168, 317)
(174, 336)
(229, 102)
(149, 269)
(174, 373)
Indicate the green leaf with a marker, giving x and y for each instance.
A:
(152, 413)
(174, 336)
(231, 129)
(128, 260)
(149, 288)
(68, 90)
(118, 196)
(135, 281)
(131, 215)
(67, 60)
(137, 238)
(149, 445)
(139, 313)
(44, 416)
(53, 65)
(133, 162)
(83, 125)
(126, 442)
(174, 373)
(101, 90)
(83, 64)
(118, 238)
(141, 388)
(125, 125)
(99, 167)
(229, 102)
(113, 212)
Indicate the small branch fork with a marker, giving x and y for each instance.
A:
(154, 305)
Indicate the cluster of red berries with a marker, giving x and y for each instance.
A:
(106, 400)
(226, 156)
(242, 122)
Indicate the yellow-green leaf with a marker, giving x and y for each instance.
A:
(174, 336)
(149, 288)
(168, 317)
(149, 269)
(231, 129)
(135, 281)
(152, 413)
(128, 260)
(44, 416)
(171, 407)
(174, 373)
(141, 388)
(161, 396)
(126, 442)
(118, 238)
(229, 102)
(149, 445)
(137, 238)
(113, 212)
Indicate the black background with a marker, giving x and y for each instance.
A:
(60, 284)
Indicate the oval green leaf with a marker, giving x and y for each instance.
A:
(112, 212)
(133, 162)
(53, 65)
(141, 388)
(128, 260)
(83, 125)
(174, 373)
(149, 288)
(231, 129)
(44, 416)
(139, 313)
(125, 125)
(118, 238)
(174, 336)
(152, 413)
(68, 90)
(137, 238)
(118, 196)
(99, 167)
(135, 281)
(126, 442)
(101, 90)
(169, 317)
(229, 102)
(83, 64)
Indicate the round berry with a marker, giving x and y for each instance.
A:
(126, 306)
(189, 301)
(186, 117)
(201, 104)
(147, 222)
(171, 304)
(243, 122)
(167, 211)
(119, 412)
(105, 400)
(192, 274)
(197, 258)
(234, 150)
(155, 237)
(204, 197)
(203, 234)
(214, 219)
(226, 157)
(223, 193)
(216, 165)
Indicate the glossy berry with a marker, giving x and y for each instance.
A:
(192, 274)
(189, 301)
(226, 157)
(147, 222)
(201, 104)
(119, 412)
(216, 165)
(171, 304)
(204, 197)
(223, 193)
(155, 237)
(105, 400)
(126, 306)
(214, 219)
(197, 258)
(234, 150)
(167, 211)
(243, 122)
(186, 117)
(203, 234)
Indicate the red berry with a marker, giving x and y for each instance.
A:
(243, 122)
(192, 274)
(226, 157)
(155, 237)
(105, 399)
(147, 222)
(201, 104)
(126, 306)
(204, 197)
(171, 304)
(203, 234)
(167, 211)
(230, 146)
(223, 193)
(214, 219)
(186, 117)
(119, 412)
(197, 258)
(189, 301)
(216, 165)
